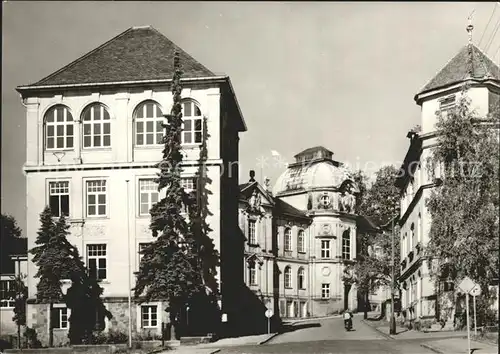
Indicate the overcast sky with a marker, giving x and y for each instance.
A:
(341, 75)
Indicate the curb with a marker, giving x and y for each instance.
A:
(268, 339)
(430, 347)
(386, 336)
(215, 351)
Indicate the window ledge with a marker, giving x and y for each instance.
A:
(61, 329)
(288, 287)
(148, 147)
(301, 252)
(89, 218)
(6, 308)
(107, 148)
(253, 244)
(59, 150)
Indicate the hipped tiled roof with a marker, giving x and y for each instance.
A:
(139, 53)
(469, 63)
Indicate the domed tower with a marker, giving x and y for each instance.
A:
(325, 190)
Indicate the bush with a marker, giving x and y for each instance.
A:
(32, 338)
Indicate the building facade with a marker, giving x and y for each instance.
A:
(300, 235)
(93, 138)
(13, 265)
(420, 296)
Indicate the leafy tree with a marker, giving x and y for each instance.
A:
(464, 207)
(9, 231)
(379, 202)
(21, 296)
(169, 267)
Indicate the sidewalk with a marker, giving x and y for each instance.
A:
(459, 345)
(404, 333)
(209, 348)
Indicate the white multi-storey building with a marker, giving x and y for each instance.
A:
(300, 236)
(93, 138)
(471, 66)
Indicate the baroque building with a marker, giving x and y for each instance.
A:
(300, 235)
(94, 132)
(420, 296)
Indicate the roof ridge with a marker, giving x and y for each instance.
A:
(76, 61)
(486, 70)
(180, 49)
(442, 68)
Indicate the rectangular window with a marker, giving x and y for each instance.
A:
(325, 248)
(300, 242)
(282, 308)
(148, 195)
(325, 291)
(59, 198)
(149, 316)
(142, 246)
(7, 293)
(97, 261)
(252, 275)
(346, 247)
(289, 308)
(60, 317)
(252, 240)
(189, 184)
(96, 198)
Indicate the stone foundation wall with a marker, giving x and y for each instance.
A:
(7, 325)
(37, 315)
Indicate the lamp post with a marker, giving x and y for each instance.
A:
(392, 328)
(128, 275)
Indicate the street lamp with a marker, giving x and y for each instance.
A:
(129, 271)
(392, 328)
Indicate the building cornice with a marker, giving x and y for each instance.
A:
(455, 87)
(109, 166)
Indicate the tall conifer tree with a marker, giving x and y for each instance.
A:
(168, 269)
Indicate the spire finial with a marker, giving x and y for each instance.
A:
(470, 27)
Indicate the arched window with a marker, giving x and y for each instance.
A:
(301, 247)
(148, 124)
(191, 115)
(58, 128)
(346, 245)
(301, 278)
(288, 239)
(96, 126)
(288, 277)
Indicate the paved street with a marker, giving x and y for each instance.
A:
(329, 336)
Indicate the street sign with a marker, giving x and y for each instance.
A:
(269, 313)
(466, 285)
(476, 290)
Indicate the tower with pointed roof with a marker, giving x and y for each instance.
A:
(94, 135)
(470, 72)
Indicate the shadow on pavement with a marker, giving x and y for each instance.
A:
(291, 328)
